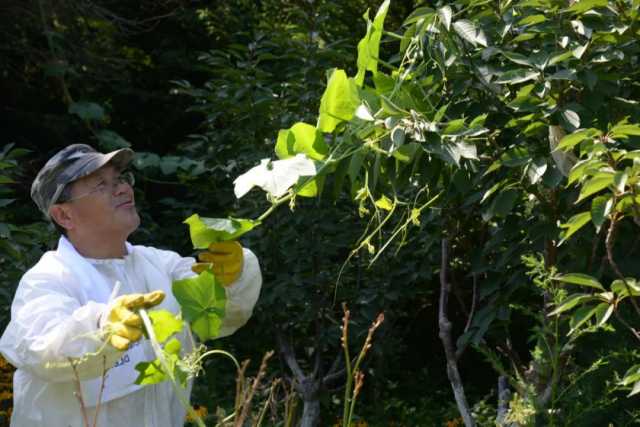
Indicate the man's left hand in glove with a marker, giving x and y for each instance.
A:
(224, 259)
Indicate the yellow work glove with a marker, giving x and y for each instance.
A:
(123, 324)
(224, 259)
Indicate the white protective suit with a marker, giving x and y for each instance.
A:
(54, 319)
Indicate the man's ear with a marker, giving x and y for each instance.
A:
(62, 215)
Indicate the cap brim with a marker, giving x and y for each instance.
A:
(119, 158)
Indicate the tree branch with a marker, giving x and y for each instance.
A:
(447, 342)
(609, 245)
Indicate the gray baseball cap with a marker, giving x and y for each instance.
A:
(69, 164)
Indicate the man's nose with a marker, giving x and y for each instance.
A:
(120, 187)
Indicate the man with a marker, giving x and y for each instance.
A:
(74, 313)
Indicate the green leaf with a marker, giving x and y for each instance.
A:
(490, 191)
(153, 372)
(570, 302)
(203, 302)
(635, 390)
(308, 186)
(165, 324)
(623, 130)
(600, 210)
(111, 140)
(418, 14)
(536, 169)
(584, 168)
(576, 138)
(603, 313)
(301, 138)
(632, 375)
(369, 46)
(518, 58)
(339, 101)
(582, 6)
(515, 156)
(468, 31)
(580, 317)
(620, 181)
(445, 13)
(87, 110)
(571, 117)
(597, 183)
(574, 224)
(622, 290)
(6, 180)
(581, 279)
(150, 373)
(205, 231)
(517, 76)
(502, 204)
(532, 20)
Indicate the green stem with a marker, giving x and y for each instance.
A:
(165, 367)
(347, 389)
(224, 353)
(273, 207)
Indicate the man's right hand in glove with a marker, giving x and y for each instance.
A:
(123, 325)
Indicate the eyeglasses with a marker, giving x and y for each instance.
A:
(105, 187)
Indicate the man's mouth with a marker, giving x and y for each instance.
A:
(126, 204)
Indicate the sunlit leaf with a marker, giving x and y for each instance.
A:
(580, 279)
(203, 301)
(301, 138)
(205, 231)
(445, 13)
(600, 210)
(586, 5)
(517, 76)
(536, 169)
(165, 324)
(574, 224)
(369, 46)
(570, 302)
(595, 184)
(339, 101)
(468, 31)
(625, 288)
(580, 317)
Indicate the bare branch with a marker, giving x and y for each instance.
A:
(104, 377)
(609, 245)
(447, 342)
(289, 356)
(78, 393)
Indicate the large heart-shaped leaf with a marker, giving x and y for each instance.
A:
(203, 300)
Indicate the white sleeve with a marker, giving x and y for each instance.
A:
(49, 330)
(242, 294)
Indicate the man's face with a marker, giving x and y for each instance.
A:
(102, 205)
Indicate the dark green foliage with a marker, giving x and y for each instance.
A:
(200, 92)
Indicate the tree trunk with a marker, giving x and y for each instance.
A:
(310, 413)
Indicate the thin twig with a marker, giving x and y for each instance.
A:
(609, 244)
(246, 402)
(78, 393)
(104, 377)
